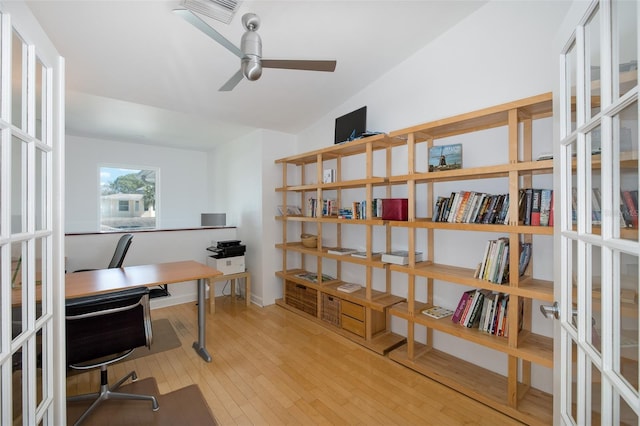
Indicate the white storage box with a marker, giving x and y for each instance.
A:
(227, 265)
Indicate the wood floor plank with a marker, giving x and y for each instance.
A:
(271, 366)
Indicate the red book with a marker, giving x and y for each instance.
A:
(633, 211)
(461, 306)
(395, 208)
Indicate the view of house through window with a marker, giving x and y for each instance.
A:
(127, 199)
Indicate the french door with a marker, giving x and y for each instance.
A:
(597, 231)
(32, 384)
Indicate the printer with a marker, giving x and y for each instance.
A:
(228, 257)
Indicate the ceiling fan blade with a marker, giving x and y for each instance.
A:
(194, 20)
(328, 66)
(232, 82)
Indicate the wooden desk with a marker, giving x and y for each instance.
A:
(78, 284)
(234, 278)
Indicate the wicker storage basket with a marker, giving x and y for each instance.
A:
(301, 297)
(331, 309)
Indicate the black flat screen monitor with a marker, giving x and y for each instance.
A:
(351, 126)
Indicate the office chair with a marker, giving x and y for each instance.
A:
(118, 255)
(104, 329)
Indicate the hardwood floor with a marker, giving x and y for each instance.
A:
(271, 366)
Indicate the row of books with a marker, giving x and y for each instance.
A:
(329, 207)
(628, 207)
(359, 210)
(485, 310)
(535, 206)
(495, 261)
(471, 207)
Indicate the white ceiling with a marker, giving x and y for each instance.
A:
(137, 72)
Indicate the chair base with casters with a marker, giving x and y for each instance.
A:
(105, 329)
(107, 392)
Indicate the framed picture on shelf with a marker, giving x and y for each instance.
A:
(445, 157)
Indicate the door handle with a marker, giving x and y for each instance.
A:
(550, 311)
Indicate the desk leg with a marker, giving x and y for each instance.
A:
(200, 345)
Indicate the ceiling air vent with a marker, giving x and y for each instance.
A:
(222, 10)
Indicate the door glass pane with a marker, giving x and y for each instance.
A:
(41, 190)
(592, 60)
(16, 379)
(570, 77)
(596, 396)
(40, 373)
(571, 409)
(41, 276)
(18, 185)
(573, 273)
(18, 275)
(627, 416)
(593, 280)
(17, 83)
(40, 84)
(573, 200)
(627, 307)
(593, 196)
(625, 18)
(625, 143)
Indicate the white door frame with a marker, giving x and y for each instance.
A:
(40, 343)
(589, 386)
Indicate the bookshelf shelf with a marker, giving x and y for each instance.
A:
(370, 311)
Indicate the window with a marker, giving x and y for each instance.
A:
(127, 198)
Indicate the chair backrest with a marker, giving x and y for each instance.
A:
(107, 324)
(121, 251)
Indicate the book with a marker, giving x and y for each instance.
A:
(445, 157)
(535, 207)
(363, 254)
(313, 277)
(527, 206)
(468, 308)
(329, 176)
(349, 287)
(545, 207)
(525, 257)
(632, 208)
(464, 299)
(437, 312)
(595, 206)
(400, 257)
(437, 209)
(341, 251)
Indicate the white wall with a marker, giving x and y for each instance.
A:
(182, 181)
(244, 176)
(498, 54)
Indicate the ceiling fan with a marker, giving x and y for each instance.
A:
(250, 51)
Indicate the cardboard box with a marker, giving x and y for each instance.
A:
(395, 209)
(227, 265)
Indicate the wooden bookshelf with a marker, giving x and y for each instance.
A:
(302, 178)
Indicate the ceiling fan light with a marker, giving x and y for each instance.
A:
(221, 10)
